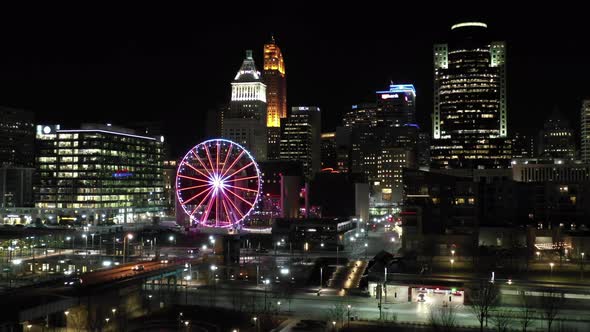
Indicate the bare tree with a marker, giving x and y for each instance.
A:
(337, 313)
(443, 318)
(527, 314)
(551, 303)
(482, 300)
(502, 320)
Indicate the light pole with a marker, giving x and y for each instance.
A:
(266, 283)
(452, 262)
(126, 240)
(255, 319)
(85, 241)
(66, 313)
(321, 277)
(453, 253)
(334, 325)
(172, 239)
(582, 266)
(538, 253)
(551, 266)
(278, 307)
(366, 250)
(348, 307)
(92, 244)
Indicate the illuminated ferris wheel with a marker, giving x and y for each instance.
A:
(218, 184)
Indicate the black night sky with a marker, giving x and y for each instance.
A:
(136, 64)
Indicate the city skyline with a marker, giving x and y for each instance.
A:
(174, 71)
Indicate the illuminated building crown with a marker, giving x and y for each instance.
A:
(248, 71)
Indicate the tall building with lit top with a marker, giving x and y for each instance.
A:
(301, 138)
(585, 131)
(470, 123)
(396, 106)
(100, 173)
(557, 138)
(245, 121)
(276, 95)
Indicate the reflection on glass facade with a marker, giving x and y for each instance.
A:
(99, 167)
(470, 118)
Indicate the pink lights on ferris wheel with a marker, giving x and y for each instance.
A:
(218, 184)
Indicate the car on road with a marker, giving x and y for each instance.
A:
(138, 268)
(164, 261)
(72, 282)
(262, 250)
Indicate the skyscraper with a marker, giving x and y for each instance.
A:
(523, 146)
(585, 131)
(245, 121)
(329, 154)
(396, 106)
(301, 140)
(470, 123)
(556, 139)
(17, 136)
(276, 95)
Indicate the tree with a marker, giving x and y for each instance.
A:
(502, 320)
(482, 300)
(337, 313)
(527, 314)
(443, 318)
(551, 303)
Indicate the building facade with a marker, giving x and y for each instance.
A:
(301, 138)
(17, 136)
(245, 121)
(276, 95)
(396, 106)
(523, 146)
(110, 173)
(585, 131)
(329, 154)
(557, 139)
(470, 123)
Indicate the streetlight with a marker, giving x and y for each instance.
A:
(278, 307)
(107, 319)
(452, 262)
(551, 265)
(582, 266)
(171, 239)
(85, 241)
(334, 325)
(255, 319)
(538, 253)
(348, 307)
(321, 277)
(66, 313)
(453, 253)
(114, 310)
(266, 283)
(126, 240)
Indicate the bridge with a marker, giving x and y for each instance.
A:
(53, 297)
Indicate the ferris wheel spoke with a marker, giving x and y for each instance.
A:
(217, 159)
(208, 208)
(241, 169)
(202, 164)
(226, 157)
(232, 164)
(192, 178)
(240, 197)
(209, 158)
(240, 179)
(240, 188)
(210, 190)
(194, 187)
(229, 219)
(196, 170)
(233, 205)
(195, 196)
